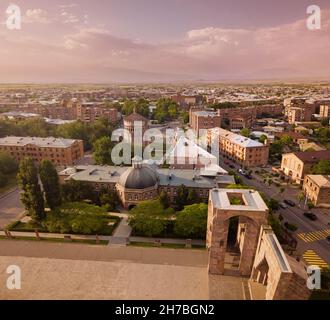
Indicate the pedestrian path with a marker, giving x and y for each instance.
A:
(313, 259)
(314, 235)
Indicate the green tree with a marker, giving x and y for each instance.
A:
(192, 197)
(245, 132)
(181, 198)
(75, 130)
(75, 191)
(50, 183)
(150, 218)
(102, 151)
(3, 180)
(191, 222)
(263, 138)
(323, 167)
(31, 195)
(8, 164)
(286, 140)
(325, 122)
(109, 198)
(166, 109)
(185, 117)
(164, 200)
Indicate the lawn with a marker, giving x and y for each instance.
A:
(72, 218)
(61, 240)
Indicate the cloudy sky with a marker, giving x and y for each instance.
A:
(103, 41)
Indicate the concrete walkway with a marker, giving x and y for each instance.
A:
(119, 240)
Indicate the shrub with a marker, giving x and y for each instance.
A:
(291, 226)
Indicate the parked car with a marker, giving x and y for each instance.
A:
(248, 176)
(283, 205)
(289, 202)
(231, 166)
(310, 216)
(242, 172)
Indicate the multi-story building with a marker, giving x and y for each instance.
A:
(324, 111)
(203, 119)
(89, 112)
(62, 152)
(242, 150)
(187, 100)
(317, 189)
(299, 109)
(296, 165)
(232, 118)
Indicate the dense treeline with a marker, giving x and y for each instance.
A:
(37, 127)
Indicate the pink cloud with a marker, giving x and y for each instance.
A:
(288, 51)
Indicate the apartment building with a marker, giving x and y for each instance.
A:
(324, 111)
(62, 152)
(317, 189)
(89, 112)
(296, 165)
(203, 119)
(231, 118)
(299, 109)
(242, 150)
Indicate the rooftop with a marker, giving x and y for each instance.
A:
(251, 199)
(313, 156)
(166, 177)
(135, 117)
(237, 139)
(37, 141)
(320, 180)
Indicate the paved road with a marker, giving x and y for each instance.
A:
(295, 215)
(10, 208)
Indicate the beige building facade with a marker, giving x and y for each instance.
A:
(61, 152)
(242, 150)
(297, 165)
(317, 189)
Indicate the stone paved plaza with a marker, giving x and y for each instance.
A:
(118, 273)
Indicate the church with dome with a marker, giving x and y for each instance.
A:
(142, 182)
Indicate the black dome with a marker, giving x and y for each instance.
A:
(138, 178)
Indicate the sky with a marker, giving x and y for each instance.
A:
(106, 41)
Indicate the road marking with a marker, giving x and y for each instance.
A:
(314, 235)
(314, 259)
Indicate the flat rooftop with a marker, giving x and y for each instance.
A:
(236, 138)
(166, 177)
(250, 199)
(49, 142)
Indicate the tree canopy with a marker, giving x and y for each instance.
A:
(191, 222)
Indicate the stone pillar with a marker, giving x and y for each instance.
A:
(218, 246)
(249, 247)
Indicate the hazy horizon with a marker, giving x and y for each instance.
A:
(154, 41)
